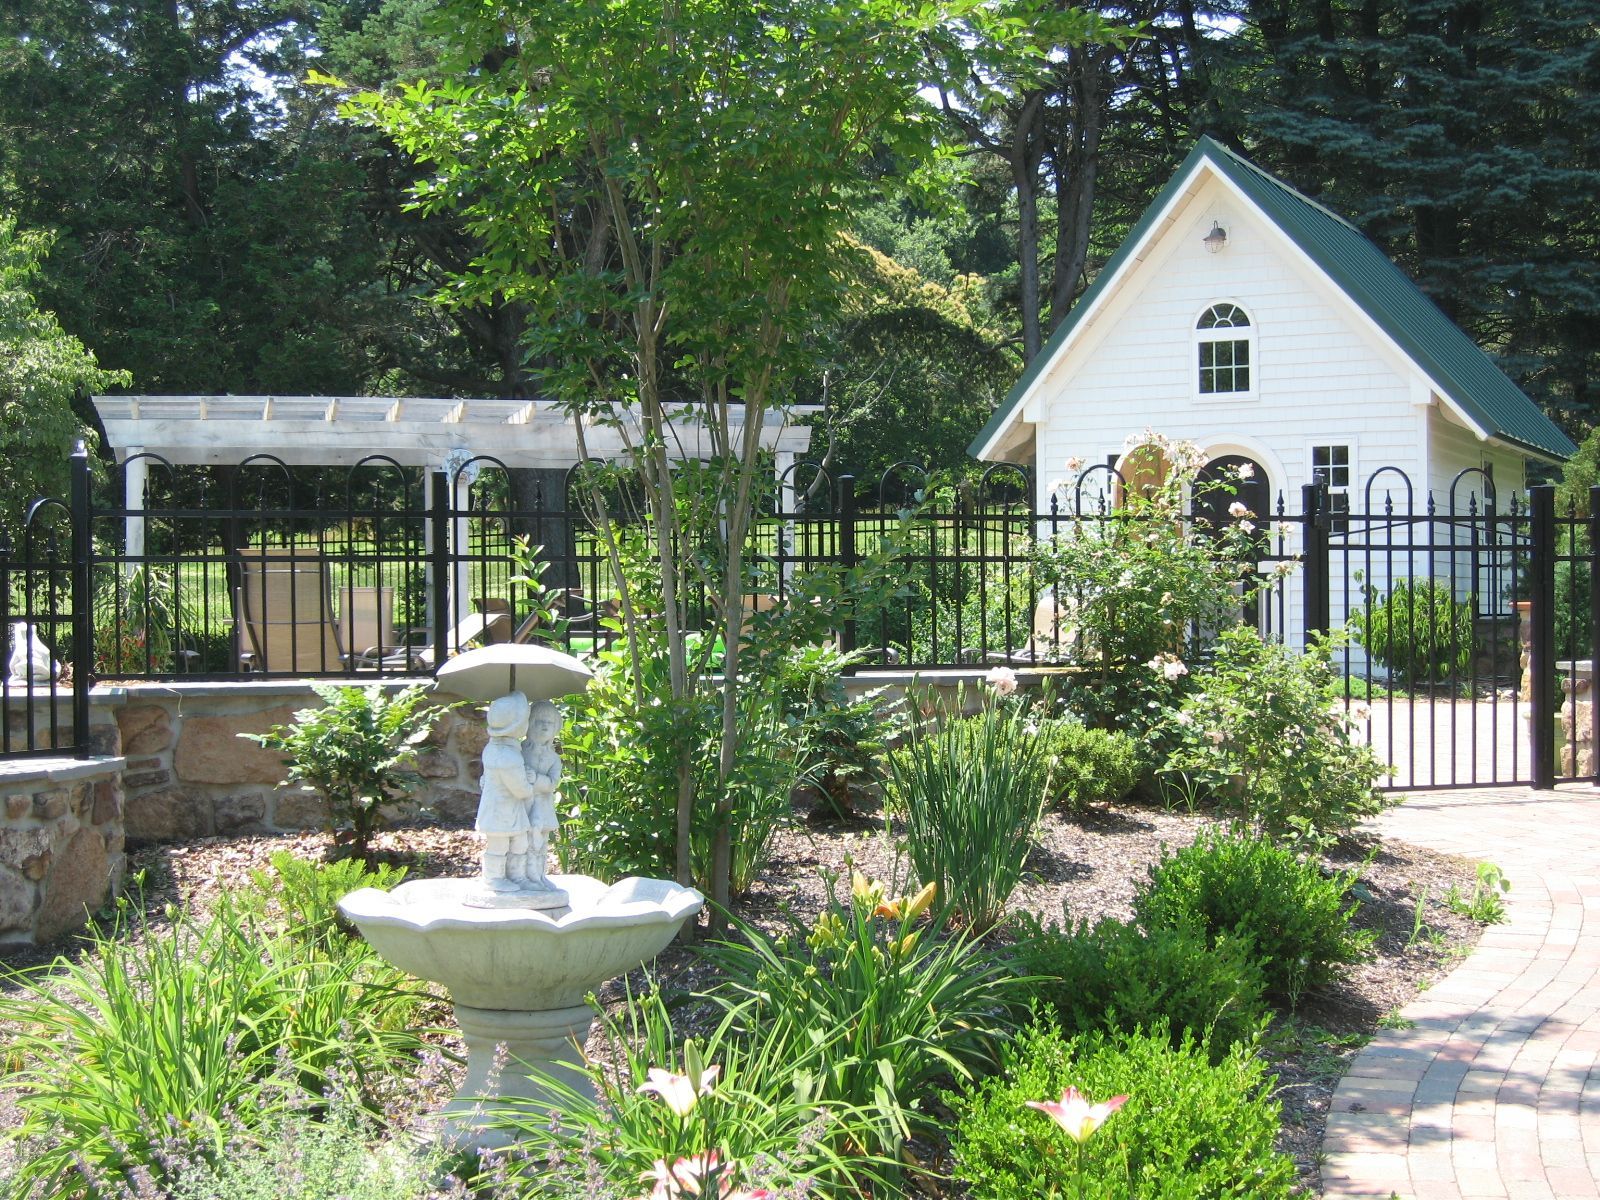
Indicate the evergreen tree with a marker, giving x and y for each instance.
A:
(1460, 135)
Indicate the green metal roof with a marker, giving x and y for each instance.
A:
(1448, 356)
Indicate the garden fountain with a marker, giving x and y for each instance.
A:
(518, 950)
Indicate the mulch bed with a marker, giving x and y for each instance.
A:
(1080, 869)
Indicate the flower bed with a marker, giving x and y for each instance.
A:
(1090, 866)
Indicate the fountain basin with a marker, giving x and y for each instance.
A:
(519, 977)
(522, 959)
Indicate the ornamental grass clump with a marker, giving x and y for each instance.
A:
(970, 790)
(877, 1002)
(158, 1047)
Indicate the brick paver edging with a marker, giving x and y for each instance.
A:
(1494, 1091)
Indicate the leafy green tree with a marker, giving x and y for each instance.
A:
(912, 369)
(1459, 135)
(43, 371)
(664, 185)
(219, 229)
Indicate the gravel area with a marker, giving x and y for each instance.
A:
(1080, 869)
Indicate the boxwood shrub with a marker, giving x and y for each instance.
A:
(1189, 1129)
(1088, 766)
(1117, 977)
(1229, 885)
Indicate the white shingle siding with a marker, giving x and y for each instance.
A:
(1321, 375)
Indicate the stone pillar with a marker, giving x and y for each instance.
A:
(61, 845)
(1524, 611)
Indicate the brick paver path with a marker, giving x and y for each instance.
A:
(1495, 1092)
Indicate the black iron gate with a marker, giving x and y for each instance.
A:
(1470, 631)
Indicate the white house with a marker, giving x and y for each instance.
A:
(1245, 317)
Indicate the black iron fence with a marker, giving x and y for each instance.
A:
(1469, 622)
(45, 610)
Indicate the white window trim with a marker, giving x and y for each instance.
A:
(1349, 442)
(1198, 336)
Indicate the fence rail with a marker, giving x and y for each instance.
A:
(1470, 623)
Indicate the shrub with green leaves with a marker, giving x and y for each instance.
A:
(1259, 736)
(622, 743)
(1116, 977)
(1230, 886)
(1420, 631)
(844, 738)
(1190, 1128)
(970, 790)
(1088, 766)
(355, 750)
(876, 1005)
(300, 898)
(164, 1044)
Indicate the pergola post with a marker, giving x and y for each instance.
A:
(783, 465)
(460, 545)
(135, 477)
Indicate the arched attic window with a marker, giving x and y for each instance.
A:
(1224, 337)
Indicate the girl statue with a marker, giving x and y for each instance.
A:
(503, 803)
(543, 768)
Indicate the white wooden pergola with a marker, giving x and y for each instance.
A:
(435, 434)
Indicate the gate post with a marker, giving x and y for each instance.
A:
(440, 567)
(847, 556)
(1589, 571)
(1542, 639)
(82, 602)
(1314, 511)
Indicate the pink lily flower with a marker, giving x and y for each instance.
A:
(687, 1178)
(1076, 1115)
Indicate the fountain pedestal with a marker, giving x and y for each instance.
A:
(550, 1040)
(519, 976)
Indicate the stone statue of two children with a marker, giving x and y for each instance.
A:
(517, 805)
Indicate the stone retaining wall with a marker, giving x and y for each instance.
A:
(190, 774)
(61, 844)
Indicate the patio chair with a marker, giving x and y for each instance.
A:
(285, 610)
(366, 629)
(474, 627)
(499, 613)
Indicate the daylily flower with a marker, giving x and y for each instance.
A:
(866, 892)
(687, 1177)
(909, 907)
(679, 1092)
(1002, 679)
(1075, 1114)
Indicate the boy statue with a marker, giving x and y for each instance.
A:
(543, 767)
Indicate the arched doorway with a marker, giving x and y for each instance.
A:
(1227, 480)
(1140, 472)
